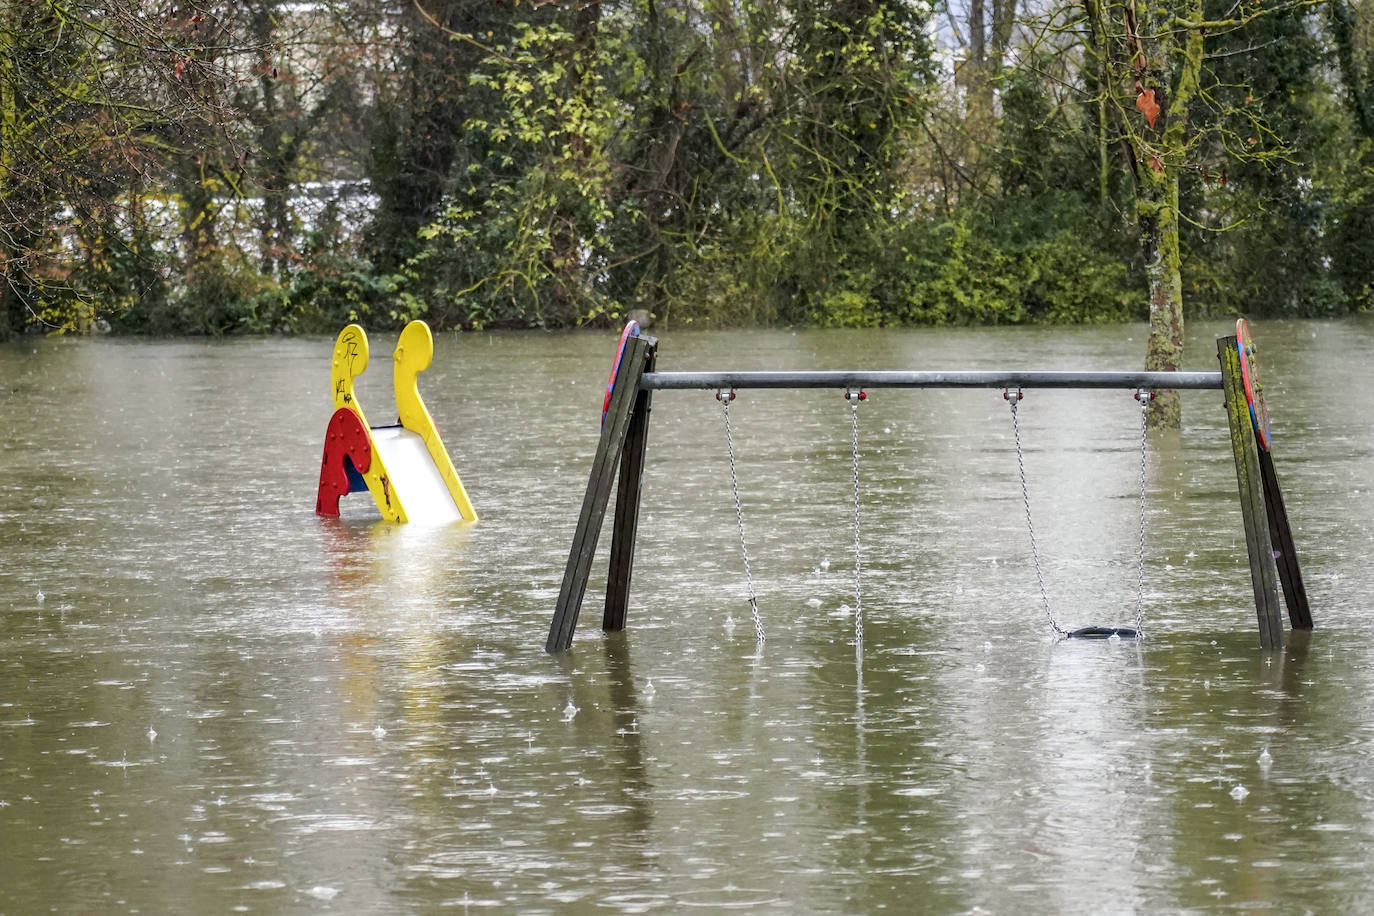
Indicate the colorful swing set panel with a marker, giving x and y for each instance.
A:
(404, 466)
(1250, 379)
(631, 330)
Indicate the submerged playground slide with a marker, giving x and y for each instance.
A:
(404, 466)
(415, 478)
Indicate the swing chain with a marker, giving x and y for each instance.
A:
(854, 397)
(1014, 399)
(1144, 396)
(725, 397)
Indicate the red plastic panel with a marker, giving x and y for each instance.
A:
(346, 438)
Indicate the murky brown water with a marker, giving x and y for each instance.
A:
(212, 700)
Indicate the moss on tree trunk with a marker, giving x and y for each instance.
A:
(1157, 215)
(1161, 148)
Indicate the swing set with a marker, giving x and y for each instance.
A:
(624, 437)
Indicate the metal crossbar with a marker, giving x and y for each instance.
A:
(997, 378)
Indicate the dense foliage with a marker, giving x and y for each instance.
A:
(270, 165)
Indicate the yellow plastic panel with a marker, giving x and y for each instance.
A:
(349, 362)
(414, 353)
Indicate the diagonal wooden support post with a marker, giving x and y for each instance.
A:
(1285, 551)
(637, 354)
(1263, 571)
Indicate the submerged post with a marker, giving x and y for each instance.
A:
(627, 507)
(1285, 551)
(1263, 572)
(625, 395)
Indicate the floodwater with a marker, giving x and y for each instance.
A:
(212, 700)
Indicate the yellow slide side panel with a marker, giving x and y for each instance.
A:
(414, 353)
(349, 362)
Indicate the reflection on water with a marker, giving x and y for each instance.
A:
(212, 699)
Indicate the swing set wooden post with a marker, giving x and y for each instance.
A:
(627, 506)
(1285, 551)
(1268, 536)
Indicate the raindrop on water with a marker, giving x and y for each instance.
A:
(1266, 760)
(152, 734)
(1239, 793)
(649, 690)
(569, 711)
(379, 732)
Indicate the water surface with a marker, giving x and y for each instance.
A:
(213, 700)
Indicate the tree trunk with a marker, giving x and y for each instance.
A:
(1157, 217)
(1160, 140)
(978, 71)
(1097, 74)
(1353, 71)
(15, 289)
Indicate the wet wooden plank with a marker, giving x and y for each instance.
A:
(1249, 480)
(625, 529)
(1285, 551)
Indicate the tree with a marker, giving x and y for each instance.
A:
(1350, 173)
(1170, 118)
(967, 124)
(847, 122)
(303, 106)
(91, 95)
(1259, 225)
(650, 152)
(423, 95)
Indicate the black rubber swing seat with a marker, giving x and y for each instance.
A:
(1104, 633)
